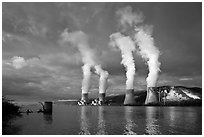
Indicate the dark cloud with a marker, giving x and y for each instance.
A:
(51, 70)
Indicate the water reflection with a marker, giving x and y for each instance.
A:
(152, 117)
(101, 121)
(172, 116)
(47, 118)
(181, 119)
(130, 124)
(112, 120)
(8, 128)
(84, 125)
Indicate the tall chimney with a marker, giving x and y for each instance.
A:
(152, 97)
(102, 97)
(84, 97)
(129, 97)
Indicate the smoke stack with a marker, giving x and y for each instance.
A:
(126, 46)
(142, 37)
(102, 82)
(152, 97)
(129, 97)
(84, 97)
(102, 97)
(80, 39)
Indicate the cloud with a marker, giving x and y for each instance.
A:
(79, 39)
(184, 79)
(127, 18)
(36, 28)
(79, 15)
(31, 31)
(18, 62)
(40, 77)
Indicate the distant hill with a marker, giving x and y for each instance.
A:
(169, 95)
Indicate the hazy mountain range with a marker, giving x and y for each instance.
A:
(167, 96)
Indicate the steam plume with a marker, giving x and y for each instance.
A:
(126, 46)
(150, 53)
(103, 78)
(144, 40)
(128, 19)
(80, 40)
(87, 76)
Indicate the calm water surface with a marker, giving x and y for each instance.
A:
(112, 120)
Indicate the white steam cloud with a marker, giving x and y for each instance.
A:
(127, 19)
(103, 78)
(150, 53)
(143, 39)
(126, 46)
(18, 62)
(80, 40)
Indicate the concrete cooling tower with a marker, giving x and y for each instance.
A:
(129, 97)
(152, 97)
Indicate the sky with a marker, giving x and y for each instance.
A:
(37, 65)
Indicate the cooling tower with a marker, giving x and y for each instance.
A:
(84, 97)
(152, 97)
(129, 97)
(102, 97)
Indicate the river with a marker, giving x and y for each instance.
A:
(112, 120)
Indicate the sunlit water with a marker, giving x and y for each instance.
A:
(112, 120)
